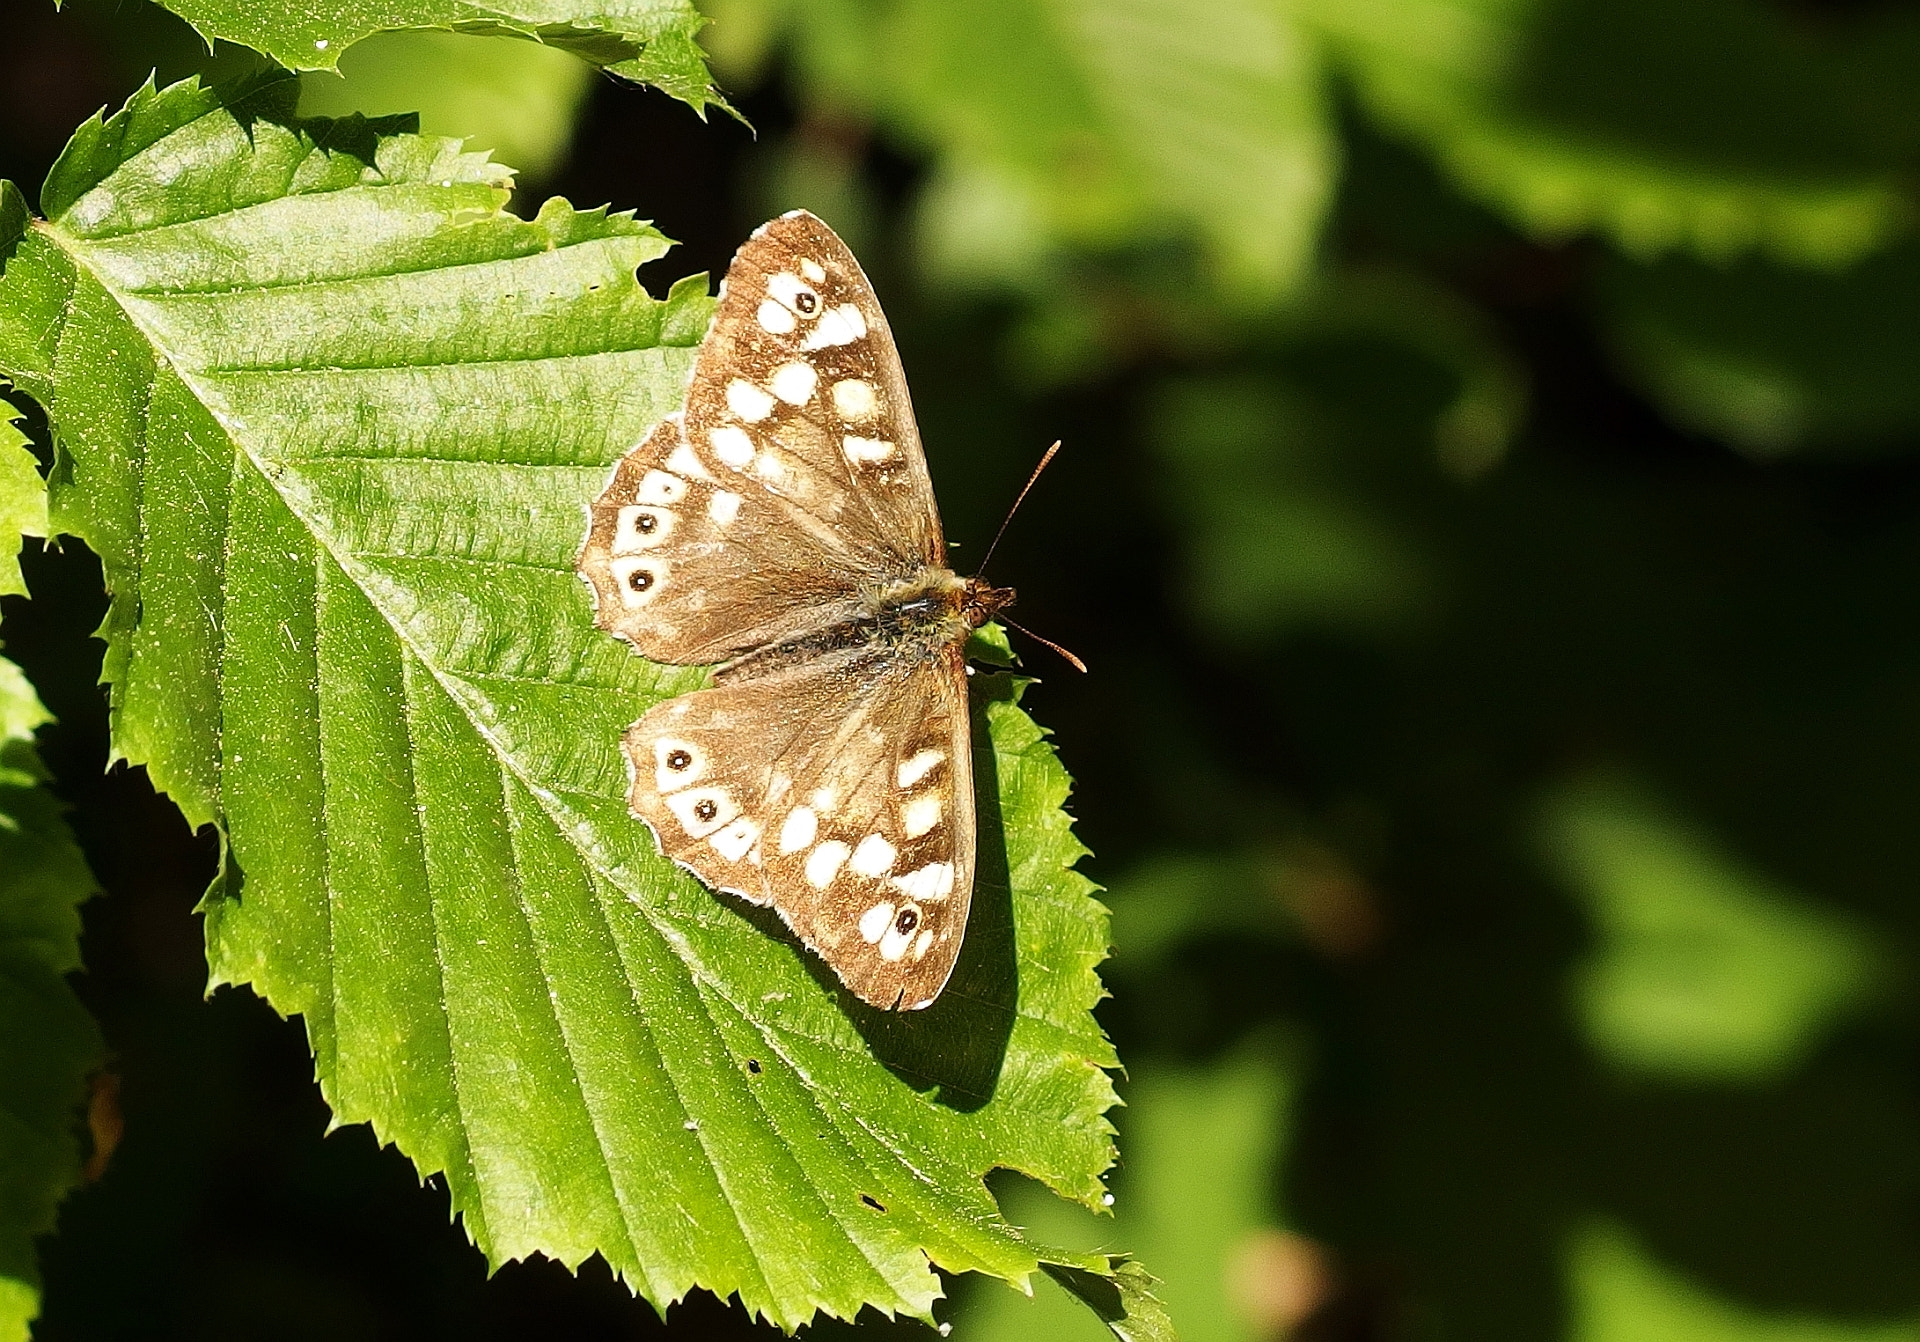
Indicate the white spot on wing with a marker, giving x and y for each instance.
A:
(854, 399)
(913, 770)
(895, 943)
(933, 881)
(874, 856)
(875, 921)
(774, 319)
(682, 461)
(791, 292)
(748, 401)
(822, 800)
(799, 830)
(866, 449)
(921, 814)
(731, 445)
(659, 487)
(812, 269)
(920, 946)
(840, 326)
(733, 842)
(723, 507)
(794, 382)
(823, 863)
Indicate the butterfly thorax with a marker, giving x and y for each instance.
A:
(935, 606)
(919, 616)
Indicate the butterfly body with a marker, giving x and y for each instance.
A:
(782, 528)
(921, 614)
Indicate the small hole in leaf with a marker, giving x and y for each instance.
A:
(872, 1202)
(753, 1065)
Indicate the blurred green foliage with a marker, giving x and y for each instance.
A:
(1702, 969)
(516, 103)
(1491, 512)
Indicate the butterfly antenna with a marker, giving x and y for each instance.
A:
(1003, 531)
(1072, 661)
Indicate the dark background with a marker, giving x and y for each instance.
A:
(1351, 712)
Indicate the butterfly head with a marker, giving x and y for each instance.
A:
(980, 602)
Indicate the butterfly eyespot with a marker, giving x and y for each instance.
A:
(679, 760)
(705, 809)
(638, 528)
(791, 292)
(640, 579)
(906, 922)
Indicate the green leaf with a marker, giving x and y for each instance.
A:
(1731, 134)
(1272, 543)
(648, 41)
(331, 418)
(1704, 969)
(1122, 1298)
(23, 500)
(1089, 124)
(48, 1042)
(517, 100)
(1619, 1292)
(1773, 360)
(1194, 1198)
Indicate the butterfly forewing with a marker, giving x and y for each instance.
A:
(785, 524)
(691, 569)
(799, 388)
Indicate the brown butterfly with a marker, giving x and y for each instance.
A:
(784, 527)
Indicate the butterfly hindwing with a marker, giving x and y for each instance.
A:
(839, 791)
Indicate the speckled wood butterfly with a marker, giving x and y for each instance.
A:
(783, 525)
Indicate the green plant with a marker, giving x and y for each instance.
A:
(330, 415)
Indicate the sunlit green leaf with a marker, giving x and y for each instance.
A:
(331, 418)
(516, 100)
(1272, 545)
(1122, 1298)
(1711, 128)
(1090, 124)
(48, 1042)
(23, 500)
(1704, 968)
(1774, 360)
(1195, 1202)
(650, 41)
(1621, 1293)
